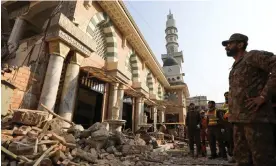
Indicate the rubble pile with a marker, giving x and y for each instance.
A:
(30, 139)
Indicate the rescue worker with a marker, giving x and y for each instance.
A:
(203, 133)
(193, 125)
(214, 123)
(250, 89)
(228, 133)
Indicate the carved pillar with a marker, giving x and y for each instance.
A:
(133, 114)
(115, 108)
(120, 98)
(182, 115)
(154, 109)
(58, 52)
(139, 112)
(161, 116)
(112, 99)
(15, 36)
(105, 102)
(69, 91)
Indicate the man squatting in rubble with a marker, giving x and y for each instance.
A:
(215, 129)
(193, 125)
(252, 82)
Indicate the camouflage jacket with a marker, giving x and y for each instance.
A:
(252, 76)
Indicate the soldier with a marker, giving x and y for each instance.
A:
(228, 130)
(214, 122)
(250, 90)
(274, 108)
(193, 125)
(203, 133)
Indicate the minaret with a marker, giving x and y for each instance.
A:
(173, 59)
(171, 35)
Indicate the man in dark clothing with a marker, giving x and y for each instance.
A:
(228, 126)
(193, 125)
(274, 108)
(215, 129)
(251, 83)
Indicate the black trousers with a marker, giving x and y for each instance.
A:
(215, 135)
(274, 128)
(229, 141)
(194, 138)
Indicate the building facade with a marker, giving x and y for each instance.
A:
(198, 100)
(172, 67)
(87, 61)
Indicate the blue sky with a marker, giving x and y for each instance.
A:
(202, 25)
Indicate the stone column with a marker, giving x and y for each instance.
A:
(112, 99)
(139, 112)
(162, 116)
(154, 109)
(105, 100)
(69, 91)
(182, 115)
(133, 114)
(16, 34)
(58, 52)
(114, 110)
(120, 98)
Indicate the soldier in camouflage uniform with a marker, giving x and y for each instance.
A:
(274, 108)
(252, 81)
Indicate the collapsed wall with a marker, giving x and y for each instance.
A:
(26, 73)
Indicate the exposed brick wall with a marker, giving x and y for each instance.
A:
(19, 78)
(29, 78)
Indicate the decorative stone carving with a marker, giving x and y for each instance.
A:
(58, 48)
(61, 27)
(69, 40)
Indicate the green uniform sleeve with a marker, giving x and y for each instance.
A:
(267, 62)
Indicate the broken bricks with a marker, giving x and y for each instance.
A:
(23, 130)
(29, 117)
(84, 155)
(47, 144)
(21, 148)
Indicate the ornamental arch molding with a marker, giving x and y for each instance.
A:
(135, 69)
(150, 82)
(101, 23)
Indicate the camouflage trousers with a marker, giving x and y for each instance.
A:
(253, 144)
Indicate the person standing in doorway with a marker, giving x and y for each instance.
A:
(252, 80)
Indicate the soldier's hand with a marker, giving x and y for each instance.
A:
(254, 103)
(222, 130)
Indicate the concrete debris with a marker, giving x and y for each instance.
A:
(35, 143)
(31, 136)
(29, 117)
